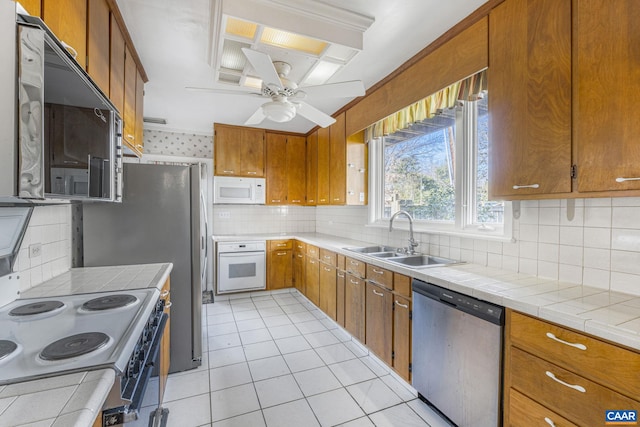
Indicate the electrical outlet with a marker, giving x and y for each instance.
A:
(35, 250)
(225, 214)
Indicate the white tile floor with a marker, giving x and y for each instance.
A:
(274, 359)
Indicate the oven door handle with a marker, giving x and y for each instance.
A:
(138, 395)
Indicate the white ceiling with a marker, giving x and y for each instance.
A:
(173, 41)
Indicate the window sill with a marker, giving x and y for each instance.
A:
(497, 235)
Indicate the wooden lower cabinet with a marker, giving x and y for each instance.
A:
(298, 271)
(379, 322)
(527, 413)
(279, 264)
(165, 344)
(354, 306)
(312, 280)
(328, 289)
(402, 336)
(340, 296)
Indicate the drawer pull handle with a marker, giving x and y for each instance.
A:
(340, 275)
(164, 293)
(355, 282)
(326, 269)
(627, 179)
(570, 344)
(295, 201)
(281, 253)
(378, 271)
(380, 294)
(573, 386)
(281, 244)
(252, 173)
(328, 257)
(311, 261)
(354, 262)
(518, 187)
(169, 304)
(401, 305)
(549, 421)
(227, 171)
(300, 256)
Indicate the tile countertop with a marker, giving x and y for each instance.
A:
(613, 316)
(74, 399)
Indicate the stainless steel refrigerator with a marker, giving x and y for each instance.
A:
(162, 218)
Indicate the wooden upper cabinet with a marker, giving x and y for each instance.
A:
(529, 80)
(276, 168)
(606, 57)
(296, 170)
(129, 114)
(312, 169)
(116, 65)
(324, 167)
(338, 159)
(68, 21)
(239, 151)
(34, 7)
(139, 131)
(98, 43)
(357, 179)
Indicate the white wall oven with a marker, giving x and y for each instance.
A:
(241, 266)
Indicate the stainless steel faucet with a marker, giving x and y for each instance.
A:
(411, 249)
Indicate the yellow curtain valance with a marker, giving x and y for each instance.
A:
(467, 89)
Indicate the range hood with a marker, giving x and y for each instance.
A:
(13, 226)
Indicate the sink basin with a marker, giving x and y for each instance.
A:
(371, 250)
(418, 261)
(386, 254)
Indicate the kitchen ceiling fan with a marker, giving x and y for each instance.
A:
(286, 97)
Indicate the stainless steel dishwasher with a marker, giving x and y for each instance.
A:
(457, 355)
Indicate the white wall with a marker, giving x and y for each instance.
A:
(243, 219)
(599, 247)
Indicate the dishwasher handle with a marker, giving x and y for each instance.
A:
(484, 310)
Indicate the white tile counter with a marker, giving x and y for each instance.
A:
(74, 399)
(613, 316)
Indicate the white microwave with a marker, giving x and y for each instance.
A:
(241, 191)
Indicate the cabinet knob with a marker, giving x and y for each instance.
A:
(518, 187)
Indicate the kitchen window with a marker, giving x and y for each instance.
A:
(436, 169)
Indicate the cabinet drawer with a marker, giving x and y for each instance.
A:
(328, 257)
(402, 284)
(572, 396)
(355, 267)
(300, 246)
(524, 412)
(604, 363)
(279, 245)
(380, 276)
(313, 251)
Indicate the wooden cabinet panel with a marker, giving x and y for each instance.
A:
(299, 271)
(34, 7)
(402, 284)
(313, 252)
(357, 163)
(129, 115)
(278, 245)
(165, 344)
(328, 257)
(606, 125)
(238, 151)
(98, 43)
(324, 167)
(312, 169)
(116, 64)
(530, 98)
(340, 296)
(279, 269)
(328, 291)
(379, 322)
(402, 337)
(296, 170)
(139, 130)
(355, 267)
(527, 413)
(573, 397)
(380, 276)
(276, 169)
(68, 21)
(354, 307)
(312, 280)
(599, 361)
(338, 162)
(252, 152)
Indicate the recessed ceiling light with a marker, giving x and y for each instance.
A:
(287, 40)
(240, 28)
(321, 73)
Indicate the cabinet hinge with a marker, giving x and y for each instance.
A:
(574, 171)
(410, 367)
(393, 354)
(410, 315)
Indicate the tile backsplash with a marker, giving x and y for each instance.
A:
(243, 219)
(50, 227)
(595, 243)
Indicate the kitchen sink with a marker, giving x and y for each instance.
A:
(370, 250)
(386, 254)
(419, 261)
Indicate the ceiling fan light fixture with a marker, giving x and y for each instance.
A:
(279, 111)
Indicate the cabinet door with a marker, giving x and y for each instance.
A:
(252, 153)
(279, 269)
(354, 307)
(98, 43)
(139, 130)
(530, 98)
(402, 336)
(606, 58)
(116, 64)
(165, 344)
(34, 7)
(226, 156)
(357, 178)
(379, 322)
(129, 116)
(296, 170)
(338, 162)
(312, 169)
(340, 296)
(68, 21)
(524, 412)
(312, 280)
(276, 168)
(298, 271)
(328, 289)
(324, 167)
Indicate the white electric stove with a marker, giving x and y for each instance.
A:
(42, 337)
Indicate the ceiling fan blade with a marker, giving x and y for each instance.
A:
(256, 118)
(315, 115)
(263, 66)
(222, 91)
(348, 89)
